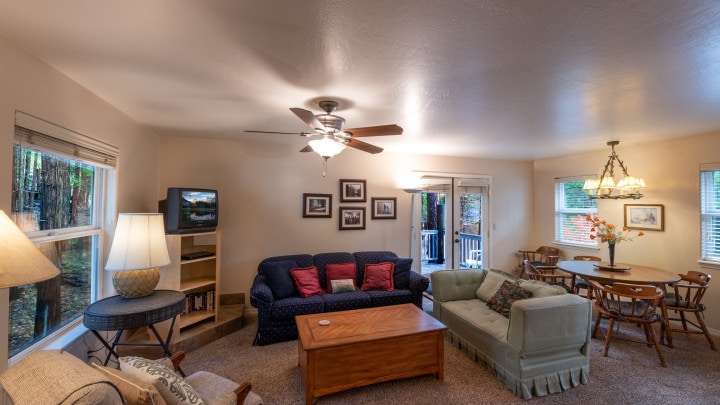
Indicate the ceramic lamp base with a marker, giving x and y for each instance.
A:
(136, 283)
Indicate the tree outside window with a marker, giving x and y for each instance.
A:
(572, 206)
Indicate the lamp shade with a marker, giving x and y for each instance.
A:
(139, 243)
(21, 262)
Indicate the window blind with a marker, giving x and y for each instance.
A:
(40, 135)
(710, 212)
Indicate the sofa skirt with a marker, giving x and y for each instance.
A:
(549, 382)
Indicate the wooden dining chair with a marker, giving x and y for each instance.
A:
(630, 303)
(548, 274)
(578, 283)
(542, 256)
(686, 297)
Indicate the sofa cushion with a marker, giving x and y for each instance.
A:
(340, 271)
(370, 257)
(134, 390)
(508, 293)
(288, 308)
(378, 277)
(322, 260)
(172, 387)
(346, 301)
(277, 276)
(492, 282)
(401, 273)
(307, 281)
(542, 289)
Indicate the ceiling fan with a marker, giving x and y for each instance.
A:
(333, 138)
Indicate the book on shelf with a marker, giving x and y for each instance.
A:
(201, 301)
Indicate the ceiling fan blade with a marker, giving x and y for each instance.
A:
(380, 130)
(309, 118)
(363, 146)
(282, 133)
(306, 149)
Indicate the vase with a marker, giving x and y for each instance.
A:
(611, 250)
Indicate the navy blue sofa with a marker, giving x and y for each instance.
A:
(276, 316)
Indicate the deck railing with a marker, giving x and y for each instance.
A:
(470, 248)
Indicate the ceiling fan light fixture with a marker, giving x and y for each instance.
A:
(326, 147)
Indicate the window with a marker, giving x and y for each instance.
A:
(57, 196)
(710, 213)
(572, 206)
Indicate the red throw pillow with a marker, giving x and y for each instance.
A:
(378, 277)
(307, 281)
(340, 271)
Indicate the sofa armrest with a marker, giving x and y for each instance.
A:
(453, 285)
(418, 282)
(260, 293)
(541, 325)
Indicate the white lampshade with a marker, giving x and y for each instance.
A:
(326, 147)
(21, 262)
(139, 243)
(138, 249)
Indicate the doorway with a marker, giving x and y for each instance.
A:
(453, 218)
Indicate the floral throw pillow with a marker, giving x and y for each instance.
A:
(505, 296)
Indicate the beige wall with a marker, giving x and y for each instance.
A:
(671, 171)
(261, 185)
(33, 87)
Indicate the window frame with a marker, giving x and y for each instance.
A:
(91, 152)
(708, 215)
(561, 210)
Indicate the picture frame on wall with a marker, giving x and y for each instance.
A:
(317, 205)
(352, 190)
(352, 218)
(383, 207)
(650, 217)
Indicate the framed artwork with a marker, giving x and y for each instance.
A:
(317, 205)
(383, 207)
(649, 217)
(352, 190)
(352, 218)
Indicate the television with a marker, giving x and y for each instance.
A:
(187, 210)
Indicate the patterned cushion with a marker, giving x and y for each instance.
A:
(134, 390)
(307, 281)
(378, 277)
(340, 271)
(172, 387)
(504, 297)
(342, 285)
(401, 273)
(277, 276)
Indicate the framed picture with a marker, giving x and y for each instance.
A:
(649, 217)
(384, 207)
(352, 218)
(352, 190)
(317, 205)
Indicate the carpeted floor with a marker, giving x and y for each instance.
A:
(630, 375)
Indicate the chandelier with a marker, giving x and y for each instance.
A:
(628, 187)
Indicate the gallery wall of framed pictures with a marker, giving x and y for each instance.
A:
(351, 217)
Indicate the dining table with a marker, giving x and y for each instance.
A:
(628, 273)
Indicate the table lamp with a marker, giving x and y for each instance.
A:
(138, 250)
(21, 262)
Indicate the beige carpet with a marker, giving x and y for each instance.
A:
(630, 375)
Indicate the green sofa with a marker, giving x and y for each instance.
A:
(542, 348)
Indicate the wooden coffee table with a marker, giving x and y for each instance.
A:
(367, 346)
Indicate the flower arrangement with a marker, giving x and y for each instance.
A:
(608, 232)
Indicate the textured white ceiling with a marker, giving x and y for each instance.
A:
(499, 79)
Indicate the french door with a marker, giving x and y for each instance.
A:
(452, 216)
